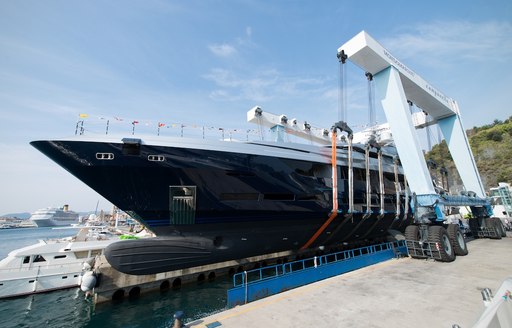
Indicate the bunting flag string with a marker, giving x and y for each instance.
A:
(96, 123)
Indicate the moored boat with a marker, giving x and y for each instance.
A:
(51, 264)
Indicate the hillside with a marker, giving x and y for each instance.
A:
(22, 216)
(492, 148)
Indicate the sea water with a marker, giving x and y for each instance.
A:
(68, 308)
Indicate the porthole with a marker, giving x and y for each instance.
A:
(156, 158)
(104, 156)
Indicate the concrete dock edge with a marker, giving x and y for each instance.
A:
(396, 293)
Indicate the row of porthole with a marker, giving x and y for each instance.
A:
(110, 156)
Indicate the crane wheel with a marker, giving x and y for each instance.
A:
(412, 233)
(490, 223)
(457, 240)
(498, 225)
(439, 236)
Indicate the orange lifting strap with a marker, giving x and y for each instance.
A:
(334, 212)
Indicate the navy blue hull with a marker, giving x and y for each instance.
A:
(237, 203)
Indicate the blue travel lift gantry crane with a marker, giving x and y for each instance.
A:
(396, 85)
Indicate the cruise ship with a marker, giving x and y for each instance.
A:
(209, 201)
(53, 216)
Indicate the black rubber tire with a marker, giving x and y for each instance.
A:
(473, 226)
(492, 224)
(500, 229)
(438, 235)
(457, 239)
(412, 232)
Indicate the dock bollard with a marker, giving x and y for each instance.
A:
(177, 319)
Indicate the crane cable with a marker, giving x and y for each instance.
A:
(342, 100)
(382, 191)
(342, 96)
(397, 187)
(368, 185)
(372, 121)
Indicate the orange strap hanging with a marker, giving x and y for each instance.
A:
(334, 212)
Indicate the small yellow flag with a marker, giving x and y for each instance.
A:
(83, 115)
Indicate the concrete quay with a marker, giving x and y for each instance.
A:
(397, 293)
(115, 285)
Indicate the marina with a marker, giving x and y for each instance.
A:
(283, 224)
(359, 298)
(213, 201)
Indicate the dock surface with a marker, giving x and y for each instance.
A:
(397, 293)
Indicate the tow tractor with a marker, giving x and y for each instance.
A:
(399, 88)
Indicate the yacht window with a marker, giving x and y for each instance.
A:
(105, 156)
(64, 277)
(81, 255)
(26, 259)
(59, 256)
(39, 258)
(279, 196)
(309, 197)
(156, 158)
(239, 196)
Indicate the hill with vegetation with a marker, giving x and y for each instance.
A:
(492, 148)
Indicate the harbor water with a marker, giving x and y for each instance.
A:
(68, 308)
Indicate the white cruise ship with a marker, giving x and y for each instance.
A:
(52, 216)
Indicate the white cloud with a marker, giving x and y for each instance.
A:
(440, 41)
(265, 85)
(234, 87)
(226, 50)
(223, 50)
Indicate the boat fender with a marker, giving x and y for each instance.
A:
(178, 320)
(88, 281)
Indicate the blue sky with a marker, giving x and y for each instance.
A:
(208, 62)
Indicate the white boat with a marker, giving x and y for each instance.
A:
(51, 264)
(52, 216)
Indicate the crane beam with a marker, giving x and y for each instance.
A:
(396, 84)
